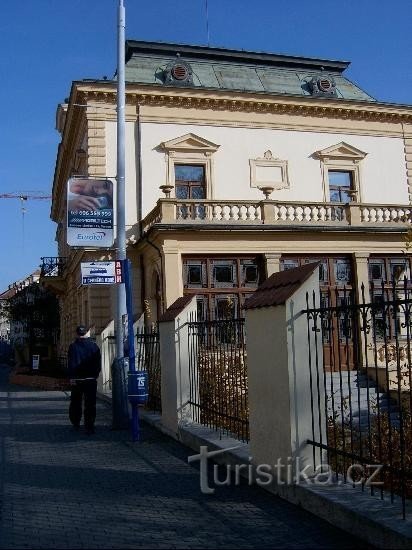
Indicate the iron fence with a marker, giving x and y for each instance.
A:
(218, 392)
(148, 359)
(52, 266)
(360, 384)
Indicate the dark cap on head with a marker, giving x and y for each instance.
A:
(81, 330)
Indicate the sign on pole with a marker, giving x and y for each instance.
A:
(35, 362)
(101, 273)
(90, 213)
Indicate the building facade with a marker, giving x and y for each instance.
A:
(238, 165)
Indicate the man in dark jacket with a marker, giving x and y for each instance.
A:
(84, 365)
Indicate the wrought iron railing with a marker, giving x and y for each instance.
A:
(52, 266)
(218, 376)
(148, 359)
(360, 382)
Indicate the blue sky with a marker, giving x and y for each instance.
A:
(45, 44)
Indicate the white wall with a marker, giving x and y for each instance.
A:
(383, 173)
(131, 166)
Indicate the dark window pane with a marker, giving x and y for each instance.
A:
(342, 272)
(251, 273)
(376, 271)
(182, 192)
(223, 273)
(195, 274)
(186, 172)
(197, 192)
(289, 264)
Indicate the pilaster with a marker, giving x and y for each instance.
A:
(272, 262)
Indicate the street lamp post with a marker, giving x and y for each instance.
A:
(121, 218)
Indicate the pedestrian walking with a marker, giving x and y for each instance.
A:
(84, 365)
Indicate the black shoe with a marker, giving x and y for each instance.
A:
(90, 431)
(76, 427)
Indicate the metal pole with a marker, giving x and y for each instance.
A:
(132, 374)
(121, 221)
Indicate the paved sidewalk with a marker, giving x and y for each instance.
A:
(61, 489)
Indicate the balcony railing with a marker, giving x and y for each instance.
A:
(52, 266)
(170, 211)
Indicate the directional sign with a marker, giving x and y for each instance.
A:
(101, 273)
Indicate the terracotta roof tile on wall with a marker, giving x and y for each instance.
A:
(177, 307)
(280, 286)
(7, 294)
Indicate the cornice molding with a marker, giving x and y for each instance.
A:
(194, 99)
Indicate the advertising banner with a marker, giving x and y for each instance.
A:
(101, 273)
(90, 213)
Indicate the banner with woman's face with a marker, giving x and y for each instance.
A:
(90, 213)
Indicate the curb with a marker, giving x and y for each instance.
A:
(367, 517)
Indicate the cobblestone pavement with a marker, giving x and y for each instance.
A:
(62, 489)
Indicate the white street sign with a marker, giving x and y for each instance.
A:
(101, 273)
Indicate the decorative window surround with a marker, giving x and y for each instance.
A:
(190, 149)
(344, 157)
(269, 171)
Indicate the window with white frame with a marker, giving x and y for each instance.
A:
(340, 167)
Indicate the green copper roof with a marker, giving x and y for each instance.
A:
(218, 68)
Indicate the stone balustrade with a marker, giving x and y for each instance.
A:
(170, 211)
(371, 213)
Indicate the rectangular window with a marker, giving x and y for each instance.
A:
(221, 285)
(376, 270)
(250, 273)
(387, 283)
(194, 274)
(341, 186)
(190, 181)
(223, 273)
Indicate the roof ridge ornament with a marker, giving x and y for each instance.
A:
(178, 72)
(322, 85)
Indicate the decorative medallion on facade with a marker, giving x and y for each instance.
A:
(269, 172)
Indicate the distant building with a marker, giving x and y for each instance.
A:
(33, 318)
(238, 165)
(4, 314)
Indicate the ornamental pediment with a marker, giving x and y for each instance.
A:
(190, 142)
(341, 150)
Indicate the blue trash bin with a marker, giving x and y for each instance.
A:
(138, 387)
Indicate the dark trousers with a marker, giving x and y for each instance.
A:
(86, 388)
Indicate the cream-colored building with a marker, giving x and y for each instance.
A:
(238, 164)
